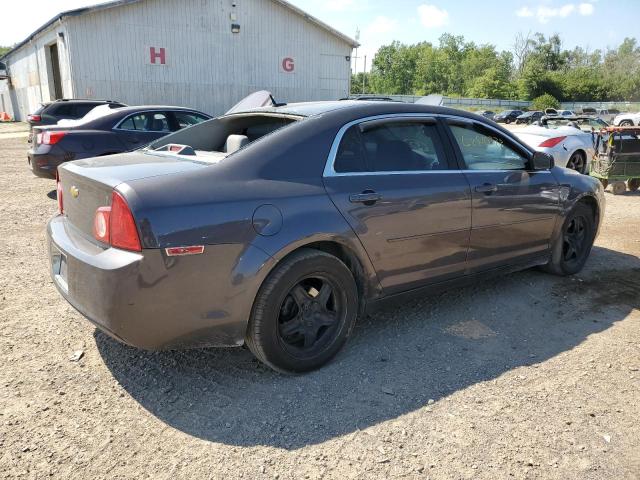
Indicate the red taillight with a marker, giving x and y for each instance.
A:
(124, 233)
(59, 195)
(115, 225)
(50, 138)
(34, 118)
(552, 142)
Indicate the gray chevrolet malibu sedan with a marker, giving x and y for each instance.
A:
(278, 226)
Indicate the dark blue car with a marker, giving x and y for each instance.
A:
(105, 131)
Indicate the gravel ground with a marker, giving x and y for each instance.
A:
(526, 376)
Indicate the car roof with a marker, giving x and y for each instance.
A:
(135, 108)
(81, 100)
(124, 111)
(357, 108)
(117, 114)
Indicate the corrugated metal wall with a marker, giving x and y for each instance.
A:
(31, 74)
(207, 66)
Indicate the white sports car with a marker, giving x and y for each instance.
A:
(627, 120)
(569, 140)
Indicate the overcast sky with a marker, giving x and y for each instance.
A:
(591, 24)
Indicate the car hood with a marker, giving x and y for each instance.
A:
(113, 170)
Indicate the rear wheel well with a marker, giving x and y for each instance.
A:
(349, 258)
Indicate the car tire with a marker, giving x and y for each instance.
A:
(571, 249)
(626, 123)
(578, 162)
(618, 188)
(303, 313)
(507, 121)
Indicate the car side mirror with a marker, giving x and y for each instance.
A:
(542, 161)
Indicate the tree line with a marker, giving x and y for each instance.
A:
(536, 65)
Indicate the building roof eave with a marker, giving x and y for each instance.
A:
(118, 3)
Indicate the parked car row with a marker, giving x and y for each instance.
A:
(611, 116)
(106, 128)
(529, 117)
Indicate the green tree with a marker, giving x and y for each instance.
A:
(4, 50)
(538, 65)
(360, 83)
(393, 67)
(545, 101)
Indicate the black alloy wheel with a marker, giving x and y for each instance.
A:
(575, 239)
(304, 312)
(572, 246)
(577, 162)
(309, 316)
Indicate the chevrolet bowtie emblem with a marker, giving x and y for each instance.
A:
(74, 191)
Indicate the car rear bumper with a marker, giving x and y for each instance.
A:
(45, 164)
(151, 301)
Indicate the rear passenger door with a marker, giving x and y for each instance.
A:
(140, 129)
(404, 196)
(514, 207)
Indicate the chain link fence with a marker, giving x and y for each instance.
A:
(494, 103)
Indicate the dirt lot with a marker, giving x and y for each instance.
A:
(527, 376)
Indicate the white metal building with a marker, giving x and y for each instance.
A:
(204, 54)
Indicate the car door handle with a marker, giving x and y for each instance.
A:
(487, 188)
(368, 198)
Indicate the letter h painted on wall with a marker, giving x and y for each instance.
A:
(157, 56)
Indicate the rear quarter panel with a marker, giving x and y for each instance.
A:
(276, 217)
(92, 143)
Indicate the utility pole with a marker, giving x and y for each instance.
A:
(364, 75)
(355, 59)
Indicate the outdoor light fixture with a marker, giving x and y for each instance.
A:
(235, 28)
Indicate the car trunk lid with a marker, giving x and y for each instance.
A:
(88, 184)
